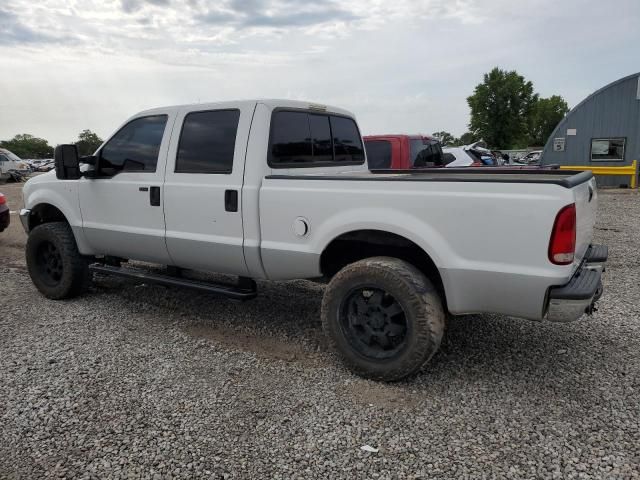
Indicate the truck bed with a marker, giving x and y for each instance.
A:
(563, 178)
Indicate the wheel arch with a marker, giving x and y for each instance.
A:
(354, 245)
(45, 213)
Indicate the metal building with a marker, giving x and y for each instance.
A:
(602, 130)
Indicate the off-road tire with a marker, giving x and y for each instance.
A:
(74, 273)
(423, 310)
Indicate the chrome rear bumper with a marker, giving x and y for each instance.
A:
(578, 297)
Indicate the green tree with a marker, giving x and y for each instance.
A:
(546, 114)
(466, 138)
(88, 142)
(28, 146)
(445, 138)
(501, 107)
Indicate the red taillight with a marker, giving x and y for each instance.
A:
(562, 246)
(3, 199)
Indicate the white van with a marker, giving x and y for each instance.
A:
(10, 161)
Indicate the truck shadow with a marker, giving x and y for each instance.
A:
(542, 361)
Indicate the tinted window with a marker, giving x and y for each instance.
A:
(321, 138)
(346, 140)
(290, 138)
(447, 158)
(135, 147)
(305, 139)
(425, 153)
(607, 149)
(378, 154)
(207, 142)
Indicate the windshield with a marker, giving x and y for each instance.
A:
(426, 153)
(6, 154)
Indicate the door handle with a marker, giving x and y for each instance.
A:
(231, 200)
(154, 196)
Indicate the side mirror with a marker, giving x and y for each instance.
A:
(67, 162)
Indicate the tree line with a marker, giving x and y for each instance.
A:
(28, 146)
(507, 114)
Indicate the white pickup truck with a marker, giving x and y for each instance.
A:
(279, 190)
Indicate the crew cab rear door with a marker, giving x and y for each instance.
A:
(203, 187)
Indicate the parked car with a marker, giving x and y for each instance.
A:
(41, 164)
(473, 155)
(46, 166)
(280, 190)
(531, 158)
(456, 157)
(11, 162)
(403, 152)
(5, 217)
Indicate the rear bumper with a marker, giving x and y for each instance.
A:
(571, 301)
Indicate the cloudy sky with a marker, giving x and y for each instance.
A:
(402, 66)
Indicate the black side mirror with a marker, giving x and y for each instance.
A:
(67, 162)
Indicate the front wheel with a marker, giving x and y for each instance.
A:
(55, 265)
(383, 317)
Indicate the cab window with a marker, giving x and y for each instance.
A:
(207, 142)
(134, 148)
(304, 139)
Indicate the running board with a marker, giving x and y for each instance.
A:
(247, 291)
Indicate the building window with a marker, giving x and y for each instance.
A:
(607, 149)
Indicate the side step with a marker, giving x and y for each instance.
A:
(245, 291)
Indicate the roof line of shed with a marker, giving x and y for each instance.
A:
(589, 97)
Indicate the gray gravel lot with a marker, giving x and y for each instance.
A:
(136, 381)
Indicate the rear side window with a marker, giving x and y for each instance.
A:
(134, 147)
(378, 154)
(207, 142)
(303, 139)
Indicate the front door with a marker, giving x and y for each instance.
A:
(203, 188)
(122, 211)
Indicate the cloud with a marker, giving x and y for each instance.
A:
(14, 32)
(242, 14)
(130, 6)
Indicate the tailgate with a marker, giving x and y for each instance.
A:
(586, 198)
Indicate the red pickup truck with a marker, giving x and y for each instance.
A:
(403, 152)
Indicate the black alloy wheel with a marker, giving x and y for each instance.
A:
(374, 323)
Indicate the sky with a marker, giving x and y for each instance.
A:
(401, 66)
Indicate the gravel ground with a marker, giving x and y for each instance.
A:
(136, 381)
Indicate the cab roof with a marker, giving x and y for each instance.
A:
(271, 103)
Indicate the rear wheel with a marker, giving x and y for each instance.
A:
(383, 317)
(55, 265)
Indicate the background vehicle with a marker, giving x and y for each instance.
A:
(403, 152)
(460, 157)
(41, 165)
(4, 213)
(531, 158)
(9, 161)
(280, 190)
